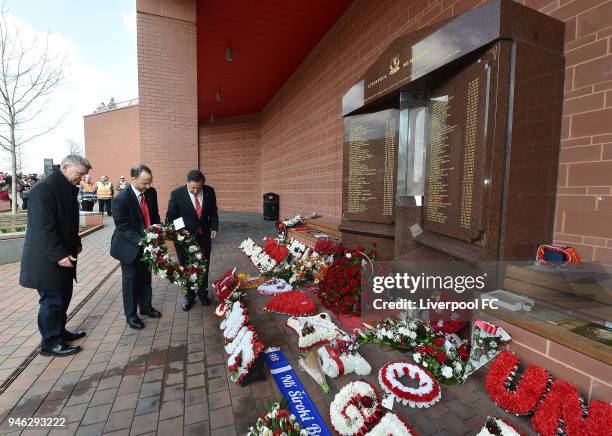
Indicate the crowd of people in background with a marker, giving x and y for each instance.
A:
(24, 184)
(102, 192)
(91, 192)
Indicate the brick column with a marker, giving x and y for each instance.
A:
(167, 88)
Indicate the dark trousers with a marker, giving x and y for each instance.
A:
(137, 291)
(24, 203)
(87, 205)
(53, 305)
(205, 244)
(105, 204)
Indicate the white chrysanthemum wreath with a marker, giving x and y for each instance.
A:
(425, 395)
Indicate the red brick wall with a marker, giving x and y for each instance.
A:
(167, 90)
(230, 159)
(584, 200)
(302, 130)
(111, 134)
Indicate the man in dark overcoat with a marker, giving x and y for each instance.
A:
(52, 245)
(135, 210)
(196, 204)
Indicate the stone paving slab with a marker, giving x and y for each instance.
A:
(171, 377)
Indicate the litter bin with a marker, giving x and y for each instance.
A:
(270, 206)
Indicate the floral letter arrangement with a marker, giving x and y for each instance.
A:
(425, 395)
(499, 427)
(155, 255)
(276, 420)
(559, 410)
(314, 330)
(262, 261)
(242, 343)
(340, 289)
(340, 357)
(357, 406)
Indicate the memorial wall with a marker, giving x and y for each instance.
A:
(458, 122)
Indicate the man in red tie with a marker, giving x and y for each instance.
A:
(197, 205)
(134, 211)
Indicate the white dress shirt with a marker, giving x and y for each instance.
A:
(137, 192)
(200, 199)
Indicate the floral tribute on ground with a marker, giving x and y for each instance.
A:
(289, 260)
(242, 344)
(341, 356)
(499, 427)
(425, 394)
(155, 254)
(558, 408)
(275, 421)
(341, 288)
(314, 330)
(293, 303)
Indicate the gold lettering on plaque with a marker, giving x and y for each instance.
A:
(359, 156)
(438, 167)
(469, 152)
(388, 194)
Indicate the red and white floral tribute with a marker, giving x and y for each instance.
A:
(354, 407)
(155, 254)
(294, 303)
(425, 395)
(226, 285)
(244, 351)
(341, 357)
(234, 320)
(499, 427)
(274, 287)
(262, 261)
(391, 425)
(314, 330)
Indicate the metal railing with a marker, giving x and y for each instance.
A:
(115, 106)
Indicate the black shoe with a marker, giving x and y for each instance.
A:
(152, 313)
(135, 323)
(205, 300)
(60, 350)
(187, 303)
(73, 336)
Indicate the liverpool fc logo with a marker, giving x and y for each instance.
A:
(395, 65)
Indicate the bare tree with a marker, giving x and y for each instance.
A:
(75, 147)
(29, 74)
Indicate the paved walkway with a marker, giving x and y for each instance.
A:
(170, 378)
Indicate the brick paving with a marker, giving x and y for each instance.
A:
(171, 377)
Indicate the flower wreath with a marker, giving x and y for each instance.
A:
(354, 407)
(341, 357)
(391, 425)
(499, 427)
(277, 420)
(426, 395)
(444, 356)
(313, 330)
(155, 254)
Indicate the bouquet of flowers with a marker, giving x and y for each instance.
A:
(442, 357)
(340, 289)
(404, 335)
(276, 421)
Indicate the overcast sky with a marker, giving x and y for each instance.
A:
(98, 38)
